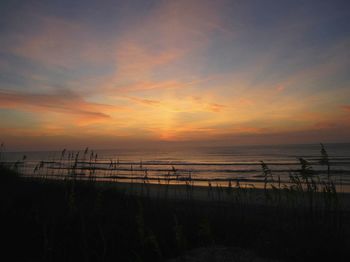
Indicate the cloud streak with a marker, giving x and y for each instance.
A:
(65, 103)
(346, 108)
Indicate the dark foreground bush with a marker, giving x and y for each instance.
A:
(79, 221)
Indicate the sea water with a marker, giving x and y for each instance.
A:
(200, 165)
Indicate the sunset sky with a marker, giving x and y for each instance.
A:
(105, 73)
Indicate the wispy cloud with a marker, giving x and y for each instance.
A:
(346, 108)
(165, 39)
(148, 102)
(65, 102)
(216, 107)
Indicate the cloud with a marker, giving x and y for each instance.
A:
(152, 85)
(280, 88)
(169, 35)
(346, 108)
(135, 60)
(65, 102)
(214, 107)
(144, 101)
(149, 86)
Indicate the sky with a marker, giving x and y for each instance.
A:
(110, 73)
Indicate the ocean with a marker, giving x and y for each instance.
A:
(201, 165)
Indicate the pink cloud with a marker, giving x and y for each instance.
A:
(150, 85)
(214, 107)
(149, 102)
(346, 108)
(245, 102)
(280, 88)
(134, 60)
(65, 102)
(172, 31)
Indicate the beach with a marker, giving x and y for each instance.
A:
(73, 219)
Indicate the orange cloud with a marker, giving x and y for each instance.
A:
(169, 35)
(280, 88)
(65, 102)
(245, 102)
(216, 107)
(143, 101)
(346, 108)
(149, 86)
(136, 60)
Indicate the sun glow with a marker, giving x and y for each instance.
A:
(176, 71)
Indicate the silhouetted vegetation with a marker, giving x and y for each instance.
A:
(81, 220)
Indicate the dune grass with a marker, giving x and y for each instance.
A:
(79, 220)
